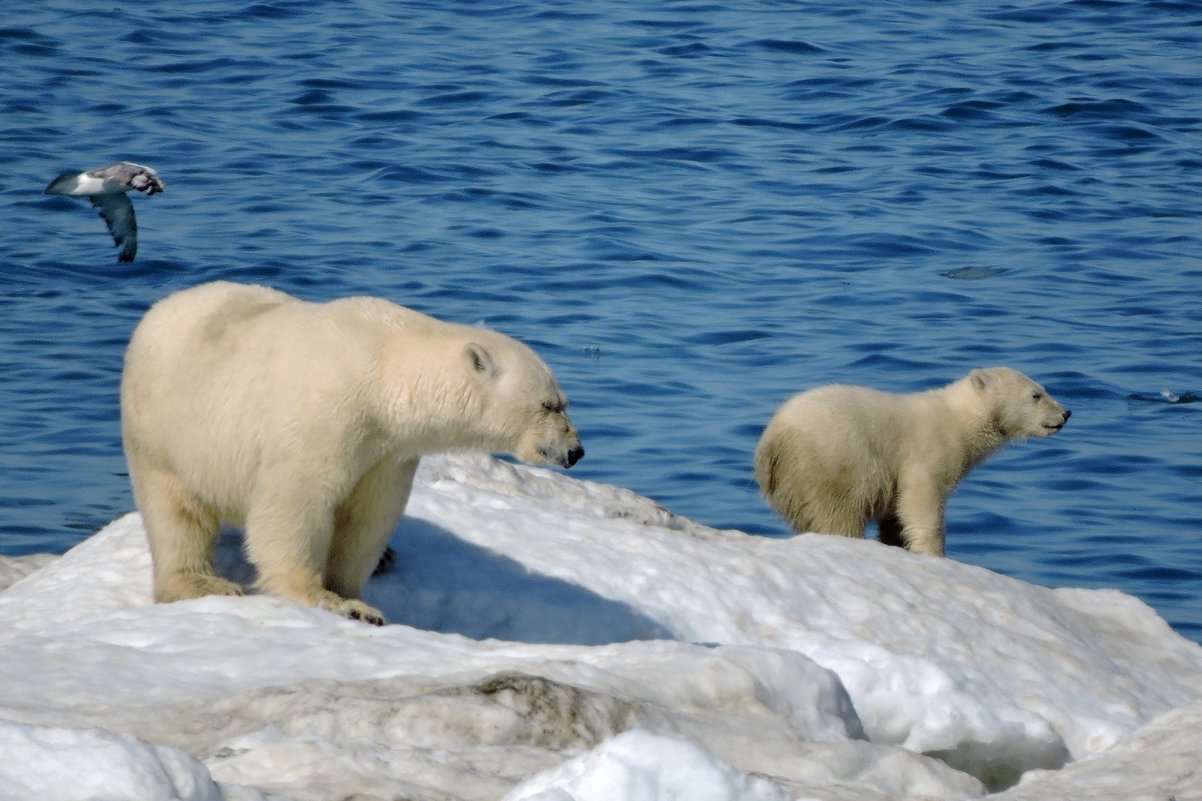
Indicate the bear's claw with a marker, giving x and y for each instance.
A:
(357, 610)
(375, 620)
(350, 608)
(386, 563)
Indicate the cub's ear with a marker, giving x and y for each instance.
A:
(480, 360)
(980, 378)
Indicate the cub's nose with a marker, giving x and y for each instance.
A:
(1067, 414)
(575, 455)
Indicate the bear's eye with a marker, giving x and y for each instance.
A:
(551, 408)
(1037, 396)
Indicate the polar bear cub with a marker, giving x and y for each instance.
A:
(835, 457)
(303, 423)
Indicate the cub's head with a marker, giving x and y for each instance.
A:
(522, 404)
(1021, 407)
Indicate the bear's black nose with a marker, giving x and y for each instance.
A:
(575, 455)
(1068, 413)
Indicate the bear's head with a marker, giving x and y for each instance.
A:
(1020, 407)
(522, 404)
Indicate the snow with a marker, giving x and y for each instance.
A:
(637, 764)
(108, 766)
(15, 568)
(554, 639)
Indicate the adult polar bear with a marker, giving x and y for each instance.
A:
(303, 423)
(835, 457)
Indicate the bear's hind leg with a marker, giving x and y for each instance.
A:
(834, 510)
(840, 524)
(181, 534)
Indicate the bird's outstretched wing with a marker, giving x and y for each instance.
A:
(118, 212)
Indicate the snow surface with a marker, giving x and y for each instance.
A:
(15, 568)
(556, 639)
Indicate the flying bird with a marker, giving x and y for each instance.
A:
(106, 188)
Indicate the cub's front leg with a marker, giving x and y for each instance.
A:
(920, 505)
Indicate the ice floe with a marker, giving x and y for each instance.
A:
(555, 639)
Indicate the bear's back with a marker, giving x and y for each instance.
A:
(839, 405)
(201, 317)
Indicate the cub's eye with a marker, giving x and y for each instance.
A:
(1037, 396)
(549, 407)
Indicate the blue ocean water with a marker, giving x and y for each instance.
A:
(692, 210)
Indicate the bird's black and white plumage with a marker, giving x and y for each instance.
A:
(106, 188)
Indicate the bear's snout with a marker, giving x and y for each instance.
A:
(1055, 427)
(575, 455)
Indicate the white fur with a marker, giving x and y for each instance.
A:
(304, 423)
(835, 457)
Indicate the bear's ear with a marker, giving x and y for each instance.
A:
(979, 379)
(481, 360)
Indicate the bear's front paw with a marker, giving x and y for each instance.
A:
(357, 610)
(351, 608)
